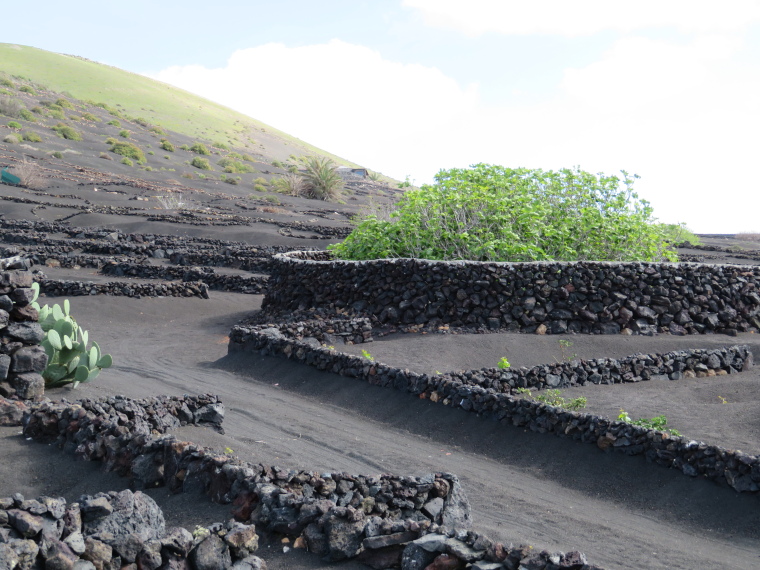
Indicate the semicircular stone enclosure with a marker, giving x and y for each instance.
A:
(589, 297)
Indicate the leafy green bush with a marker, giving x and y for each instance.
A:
(277, 163)
(157, 130)
(126, 161)
(27, 89)
(70, 361)
(677, 234)
(74, 118)
(5, 82)
(234, 180)
(31, 136)
(124, 133)
(64, 104)
(51, 105)
(90, 117)
(167, 146)
(14, 125)
(56, 114)
(555, 398)
(114, 123)
(199, 148)
(111, 140)
(321, 178)
(129, 150)
(66, 132)
(259, 188)
(234, 166)
(38, 110)
(220, 145)
(493, 213)
(27, 115)
(658, 422)
(201, 163)
(57, 154)
(185, 147)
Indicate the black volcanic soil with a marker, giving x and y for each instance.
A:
(524, 487)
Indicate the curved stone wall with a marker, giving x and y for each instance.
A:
(552, 297)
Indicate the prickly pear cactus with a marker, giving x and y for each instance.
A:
(70, 361)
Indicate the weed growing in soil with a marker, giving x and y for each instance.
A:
(367, 355)
(657, 422)
(503, 363)
(554, 398)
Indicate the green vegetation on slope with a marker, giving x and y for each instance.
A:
(493, 213)
(140, 96)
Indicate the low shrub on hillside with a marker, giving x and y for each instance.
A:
(233, 166)
(74, 118)
(201, 163)
(157, 130)
(124, 133)
(67, 132)
(31, 136)
(199, 148)
(220, 145)
(27, 89)
(105, 156)
(90, 117)
(30, 174)
(5, 82)
(166, 145)
(126, 161)
(14, 125)
(114, 123)
(64, 103)
(129, 150)
(185, 147)
(494, 213)
(321, 178)
(290, 184)
(38, 110)
(10, 107)
(6, 92)
(27, 115)
(57, 154)
(11, 139)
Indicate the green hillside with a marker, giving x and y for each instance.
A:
(157, 102)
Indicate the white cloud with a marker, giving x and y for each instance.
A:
(684, 117)
(582, 17)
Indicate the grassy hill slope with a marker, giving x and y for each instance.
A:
(156, 102)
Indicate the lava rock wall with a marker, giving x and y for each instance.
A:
(542, 297)
(22, 359)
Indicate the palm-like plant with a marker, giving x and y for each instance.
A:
(322, 178)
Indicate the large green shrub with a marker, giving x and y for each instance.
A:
(129, 150)
(493, 213)
(199, 148)
(201, 163)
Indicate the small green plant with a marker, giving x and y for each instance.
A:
(658, 423)
(31, 136)
(220, 145)
(367, 355)
(129, 150)
(185, 147)
(200, 532)
(201, 163)
(27, 89)
(233, 166)
(157, 130)
(66, 132)
(503, 363)
(74, 118)
(126, 161)
(90, 117)
(199, 148)
(259, 188)
(124, 133)
(277, 163)
(722, 400)
(554, 398)
(70, 361)
(564, 346)
(14, 125)
(234, 180)
(64, 103)
(228, 451)
(57, 154)
(27, 115)
(166, 145)
(5, 82)
(114, 123)
(111, 140)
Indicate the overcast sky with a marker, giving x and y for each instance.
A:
(667, 89)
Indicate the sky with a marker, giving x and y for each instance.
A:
(666, 89)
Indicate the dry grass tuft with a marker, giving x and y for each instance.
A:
(30, 174)
(748, 236)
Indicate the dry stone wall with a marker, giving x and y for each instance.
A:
(384, 520)
(490, 392)
(21, 358)
(551, 297)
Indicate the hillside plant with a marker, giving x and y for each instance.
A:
(5, 82)
(27, 89)
(129, 150)
(233, 166)
(11, 139)
(494, 213)
(290, 184)
(114, 123)
(676, 234)
(27, 115)
(166, 145)
(199, 148)
(90, 117)
(127, 161)
(70, 361)
(321, 178)
(124, 133)
(200, 163)
(67, 132)
(658, 423)
(14, 125)
(10, 107)
(30, 174)
(64, 103)
(554, 398)
(31, 136)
